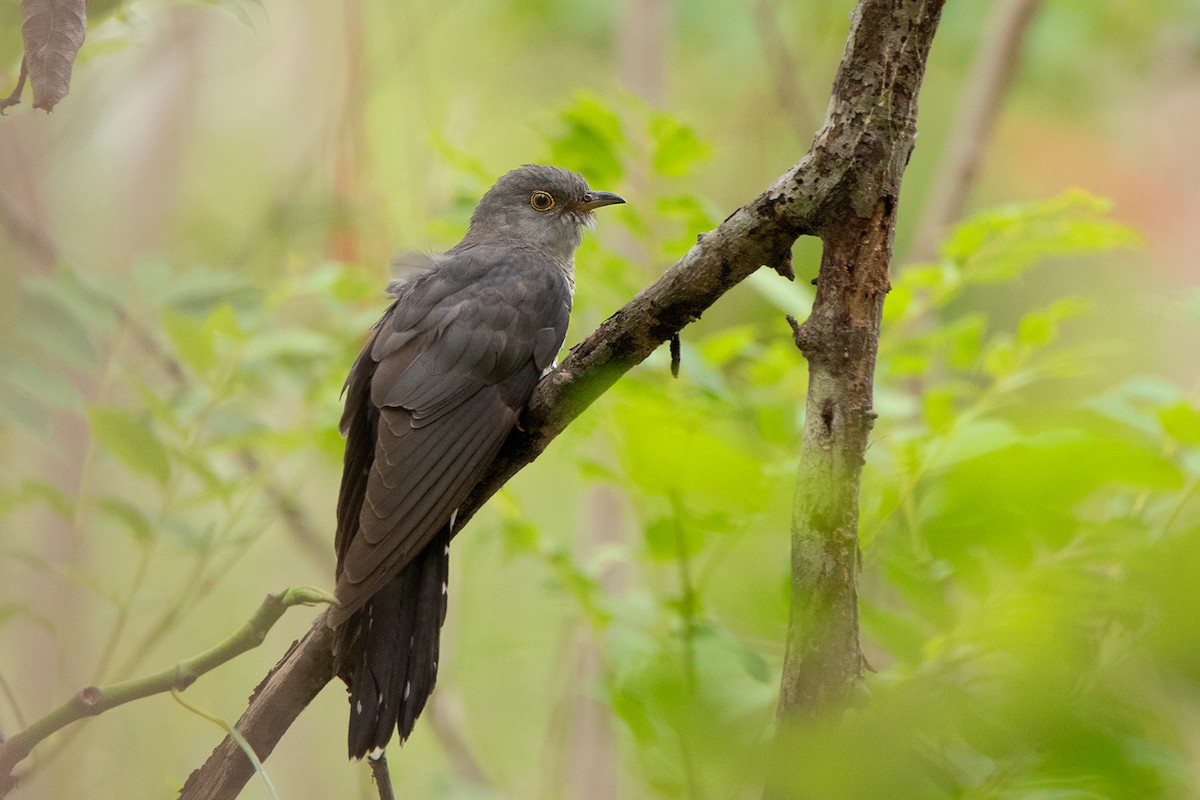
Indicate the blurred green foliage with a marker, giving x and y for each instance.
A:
(1021, 559)
(1030, 510)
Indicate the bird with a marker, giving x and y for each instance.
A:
(440, 383)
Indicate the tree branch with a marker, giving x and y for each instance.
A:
(849, 178)
(991, 75)
(286, 690)
(383, 779)
(94, 700)
(875, 95)
(15, 97)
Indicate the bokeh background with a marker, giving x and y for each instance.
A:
(196, 240)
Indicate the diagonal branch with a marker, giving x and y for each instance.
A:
(982, 98)
(94, 700)
(851, 172)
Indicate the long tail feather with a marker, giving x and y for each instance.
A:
(387, 651)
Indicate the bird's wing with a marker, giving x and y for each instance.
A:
(429, 402)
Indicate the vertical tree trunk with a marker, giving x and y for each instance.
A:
(875, 90)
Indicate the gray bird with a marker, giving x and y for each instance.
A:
(437, 388)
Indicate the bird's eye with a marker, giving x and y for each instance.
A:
(541, 201)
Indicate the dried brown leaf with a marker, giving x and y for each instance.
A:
(53, 31)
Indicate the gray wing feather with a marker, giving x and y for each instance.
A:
(440, 385)
(546, 345)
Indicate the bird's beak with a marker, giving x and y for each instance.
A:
(594, 199)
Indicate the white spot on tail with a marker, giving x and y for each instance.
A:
(445, 588)
(453, 519)
(358, 707)
(407, 688)
(375, 754)
(381, 698)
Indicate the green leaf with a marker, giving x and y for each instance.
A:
(223, 321)
(631, 709)
(724, 346)
(11, 611)
(1000, 244)
(939, 406)
(292, 346)
(196, 291)
(690, 215)
(755, 665)
(906, 365)
(193, 340)
(590, 141)
(45, 319)
(92, 306)
(788, 296)
(964, 340)
(1040, 326)
(662, 539)
(592, 470)
(33, 491)
(19, 406)
(1137, 401)
(1001, 357)
(1181, 422)
(43, 380)
(676, 445)
(520, 536)
(677, 148)
(132, 440)
(129, 516)
(974, 440)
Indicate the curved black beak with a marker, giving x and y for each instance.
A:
(594, 199)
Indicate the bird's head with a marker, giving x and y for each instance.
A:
(538, 206)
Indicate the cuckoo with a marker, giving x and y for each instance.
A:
(440, 383)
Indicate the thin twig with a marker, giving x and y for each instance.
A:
(687, 593)
(785, 72)
(287, 690)
(982, 97)
(15, 98)
(453, 743)
(289, 509)
(292, 512)
(237, 737)
(383, 781)
(11, 696)
(94, 700)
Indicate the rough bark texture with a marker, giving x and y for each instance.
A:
(845, 190)
(875, 96)
(286, 691)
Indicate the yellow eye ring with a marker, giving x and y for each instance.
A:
(541, 201)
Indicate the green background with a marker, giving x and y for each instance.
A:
(196, 241)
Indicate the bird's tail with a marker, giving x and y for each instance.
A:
(387, 651)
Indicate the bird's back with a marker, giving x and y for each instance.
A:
(437, 388)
